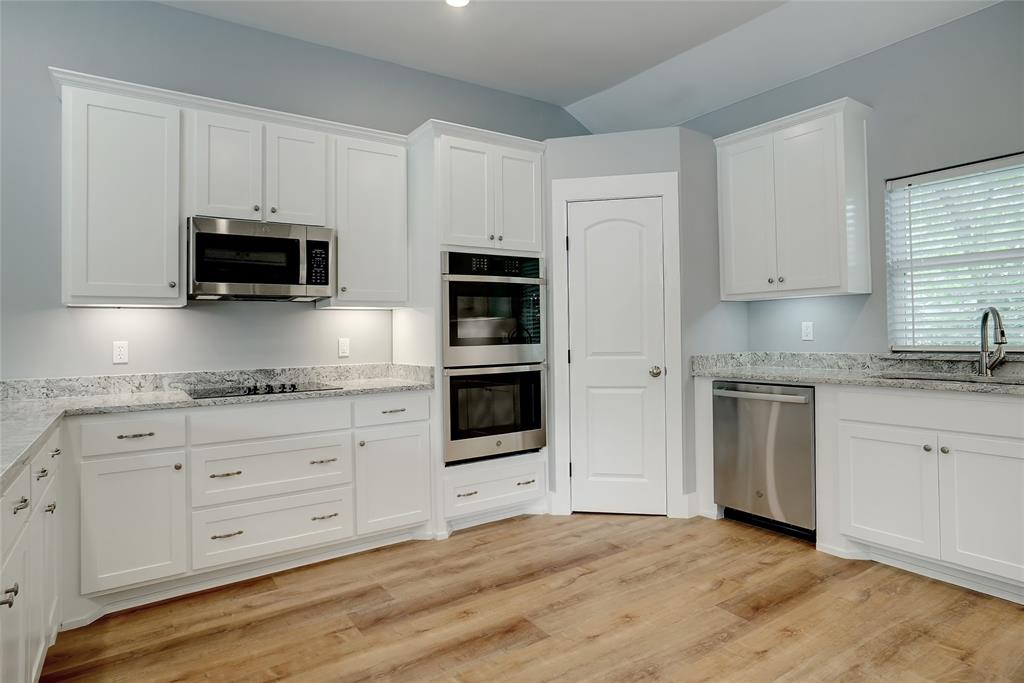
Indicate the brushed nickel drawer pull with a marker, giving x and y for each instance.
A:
(393, 411)
(140, 435)
(20, 505)
(43, 473)
(216, 537)
(317, 518)
(55, 452)
(225, 474)
(323, 462)
(467, 494)
(7, 601)
(51, 507)
(526, 483)
(13, 590)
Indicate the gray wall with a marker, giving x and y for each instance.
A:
(170, 48)
(708, 324)
(948, 96)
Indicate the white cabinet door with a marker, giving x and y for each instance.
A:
(746, 190)
(982, 508)
(370, 215)
(15, 619)
(296, 185)
(52, 557)
(35, 596)
(133, 520)
(807, 212)
(121, 202)
(518, 201)
(889, 486)
(228, 169)
(392, 477)
(467, 193)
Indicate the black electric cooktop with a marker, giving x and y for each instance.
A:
(223, 391)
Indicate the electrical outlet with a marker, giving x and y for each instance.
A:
(343, 347)
(807, 331)
(120, 353)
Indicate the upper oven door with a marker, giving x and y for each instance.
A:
(231, 257)
(493, 320)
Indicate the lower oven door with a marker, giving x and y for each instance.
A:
(493, 411)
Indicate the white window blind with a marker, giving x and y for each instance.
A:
(955, 245)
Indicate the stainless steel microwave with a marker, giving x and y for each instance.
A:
(250, 261)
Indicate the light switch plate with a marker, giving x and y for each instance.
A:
(807, 331)
(343, 347)
(120, 353)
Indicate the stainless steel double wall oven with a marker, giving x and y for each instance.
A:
(493, 310)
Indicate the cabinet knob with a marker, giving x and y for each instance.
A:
(273, 209)
(177, 465)
(501, 237)
(490, 237)
(343, 288)
(255, 207)
(771, 281)
(362, 443)
(172, 284)
(781, 279)
(927, 448)
(944, 450)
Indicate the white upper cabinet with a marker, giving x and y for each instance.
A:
(228, 169)
(120, 210)
(517, 209)
(490, 195)
(748, 226)
(370, 216)
(793, 206)
(467, 193)
(296, 176)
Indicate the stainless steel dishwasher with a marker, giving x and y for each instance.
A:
(764, 455)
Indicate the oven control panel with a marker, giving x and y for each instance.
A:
(494, 265)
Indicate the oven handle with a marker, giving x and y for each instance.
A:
(494, 279)
(494, 370)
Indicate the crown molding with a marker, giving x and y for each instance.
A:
(843, 104)
(434, 127)
(65, 78)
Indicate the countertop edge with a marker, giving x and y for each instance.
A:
(803, 376)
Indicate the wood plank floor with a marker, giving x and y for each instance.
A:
(580, 598)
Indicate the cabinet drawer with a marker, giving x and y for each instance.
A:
(262, 420)
(233, 472)
(42, 470)
(490, 489)
(133, 434)
(249, 530)
(391, 409)
(17, 507)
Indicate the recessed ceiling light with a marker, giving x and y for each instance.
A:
(456, 3)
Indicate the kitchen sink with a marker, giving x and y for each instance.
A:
(940, 377)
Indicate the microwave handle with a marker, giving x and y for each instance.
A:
(494, 370)
(302, 261)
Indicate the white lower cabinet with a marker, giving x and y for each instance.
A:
(15, 613)
(981, 494)
(927, 487)
(392, 476)
(133, 519)
(247, 531)
(889, 486)
(480, 487)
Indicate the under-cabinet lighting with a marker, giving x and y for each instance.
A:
(456, 3)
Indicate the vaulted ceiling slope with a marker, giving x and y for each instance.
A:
(557, 52)
(614, 65)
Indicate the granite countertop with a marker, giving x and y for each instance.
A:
(31, 411)
(898, 371)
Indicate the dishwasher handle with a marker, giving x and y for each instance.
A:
(778, 398)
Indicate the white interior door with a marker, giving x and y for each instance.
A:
(617, 341)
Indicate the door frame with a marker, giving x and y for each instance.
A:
(637, 186)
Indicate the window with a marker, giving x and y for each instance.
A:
(955, 245)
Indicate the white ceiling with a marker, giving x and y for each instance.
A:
(557, 52)
(613, 64)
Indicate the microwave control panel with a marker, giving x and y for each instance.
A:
(317, 263)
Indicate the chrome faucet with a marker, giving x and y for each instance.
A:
(989, 361)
